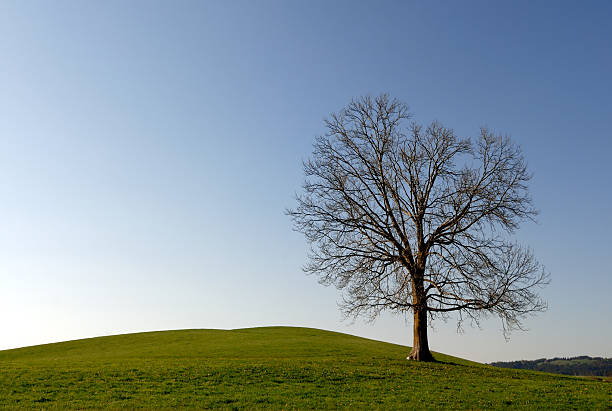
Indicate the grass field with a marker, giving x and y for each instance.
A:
(272, 367)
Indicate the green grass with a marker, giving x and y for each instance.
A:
(272, 367)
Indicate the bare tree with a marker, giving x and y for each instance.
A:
(406, 218)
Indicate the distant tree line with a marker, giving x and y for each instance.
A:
(583, 365)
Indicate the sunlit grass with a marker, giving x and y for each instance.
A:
(272, 367)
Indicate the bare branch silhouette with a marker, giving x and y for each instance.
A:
(403, 217)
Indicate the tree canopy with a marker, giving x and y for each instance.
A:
(403, 217)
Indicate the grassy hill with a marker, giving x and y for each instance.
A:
(271, 367)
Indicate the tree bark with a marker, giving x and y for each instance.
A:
(420, 347)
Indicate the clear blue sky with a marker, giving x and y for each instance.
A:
(148, 150)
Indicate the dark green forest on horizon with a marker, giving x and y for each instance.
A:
(582, 365)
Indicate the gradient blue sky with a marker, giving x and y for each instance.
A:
(148, 150)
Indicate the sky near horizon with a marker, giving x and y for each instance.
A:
(148, 150)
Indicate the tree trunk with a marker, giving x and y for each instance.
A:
(420, 347)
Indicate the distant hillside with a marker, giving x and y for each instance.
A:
(583, 365)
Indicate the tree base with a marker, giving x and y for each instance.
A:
(420, 355)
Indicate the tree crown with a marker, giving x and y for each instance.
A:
(402, 216)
